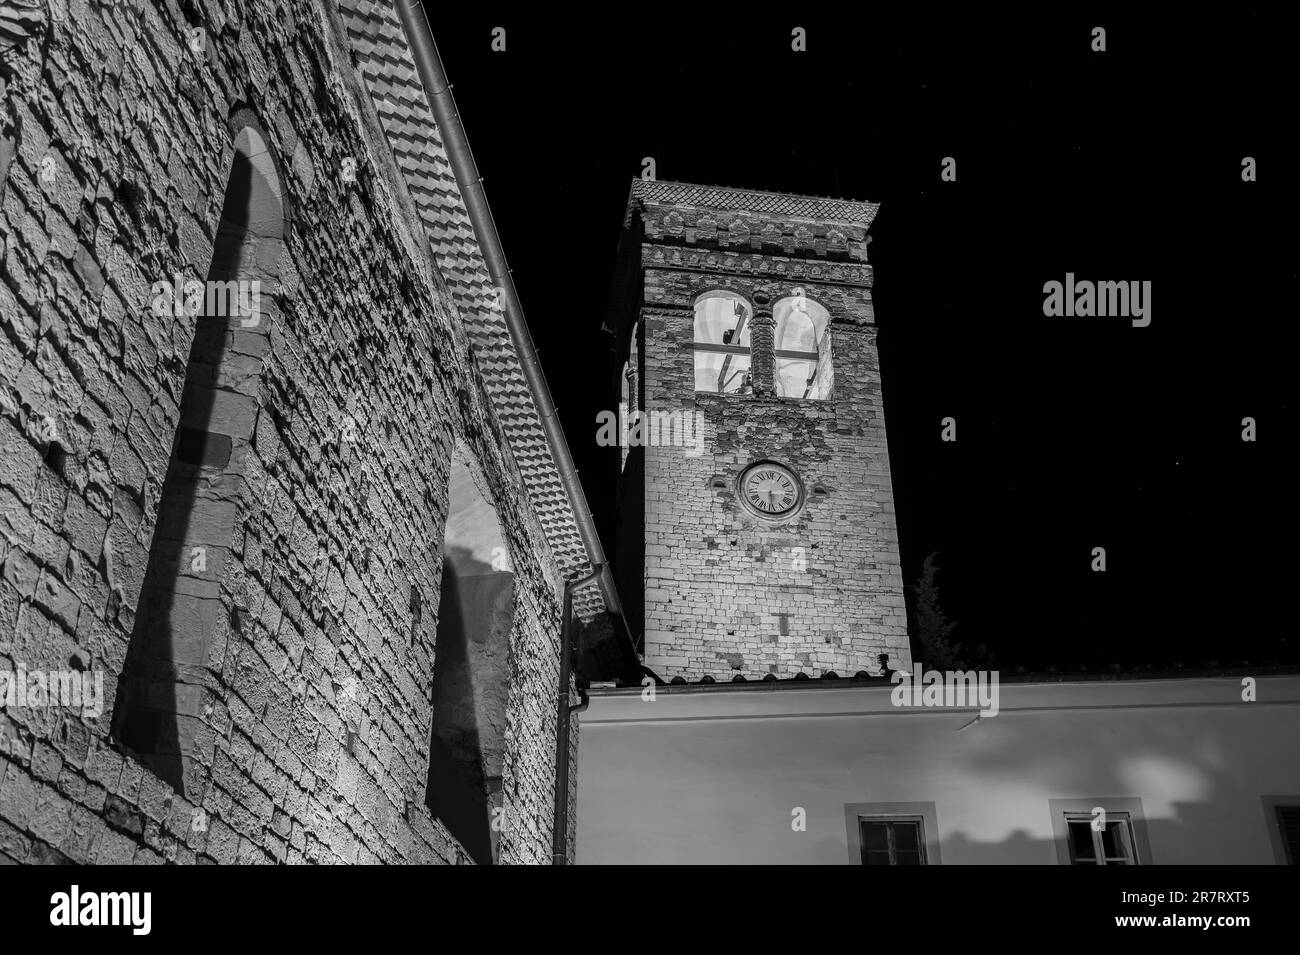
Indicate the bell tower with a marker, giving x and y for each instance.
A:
(756, 516)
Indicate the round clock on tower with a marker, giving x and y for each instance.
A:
(770, 490)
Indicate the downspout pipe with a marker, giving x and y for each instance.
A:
(433, 76)
(564, 711)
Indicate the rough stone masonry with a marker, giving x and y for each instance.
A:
(728, 595)
(279, 491)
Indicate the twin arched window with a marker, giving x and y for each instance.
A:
(722, 343)
(802, 346)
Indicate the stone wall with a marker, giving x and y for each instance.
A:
(311, 693)
(727, 594)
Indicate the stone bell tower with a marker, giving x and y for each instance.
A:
(756, 514)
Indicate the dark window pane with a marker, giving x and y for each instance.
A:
(1288, 821)
(907, 836)
(1115, 840)
(876, 857)
(1081, 840)
(875, 838)
(908, 857)
(1108, 842)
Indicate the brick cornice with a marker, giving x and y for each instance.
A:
(757, 264)
(667, 310)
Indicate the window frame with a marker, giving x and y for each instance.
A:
(1099, 856)
(1281, 851)
(1064, 811)
(922, 813)
(890, 823)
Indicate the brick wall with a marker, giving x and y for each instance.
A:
(313, 697)
(717, 580)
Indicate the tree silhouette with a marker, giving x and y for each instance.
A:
(931, 629)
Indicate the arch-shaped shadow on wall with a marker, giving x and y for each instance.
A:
(158, 712)
(471, 668)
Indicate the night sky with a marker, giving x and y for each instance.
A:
(1072, 433)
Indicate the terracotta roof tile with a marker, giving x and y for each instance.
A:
(388, 69)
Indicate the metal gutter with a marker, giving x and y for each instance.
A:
(564, 711)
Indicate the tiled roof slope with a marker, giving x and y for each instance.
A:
(748, 200)
(388, 69)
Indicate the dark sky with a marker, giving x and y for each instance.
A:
(1072, 433)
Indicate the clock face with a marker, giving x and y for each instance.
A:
(770, 490)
